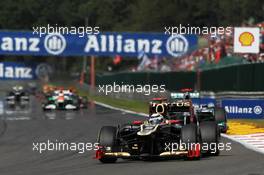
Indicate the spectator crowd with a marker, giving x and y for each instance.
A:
(215, 50)
(218, 48)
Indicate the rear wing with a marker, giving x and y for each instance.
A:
(205, 110)
(180, 106)
(177, 106)
(181, 95)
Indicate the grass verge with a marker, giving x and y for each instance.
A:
(133, 105)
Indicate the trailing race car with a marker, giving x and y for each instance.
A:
(17, 97)
(64, 100)
(159, 136)
(205, 112)
(211, 113)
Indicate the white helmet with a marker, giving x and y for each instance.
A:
(156, 118)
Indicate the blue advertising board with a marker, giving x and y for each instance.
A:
(17, 71)
(23, 70)
(105, 44)
(243, 108)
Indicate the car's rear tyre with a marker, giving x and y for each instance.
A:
(220, 115)
(189, 134)
(11, 106)
(107, 138)
(210, 138)
(189, 137)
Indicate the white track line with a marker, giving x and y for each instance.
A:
(253, 143)
(120, 109)
(245, 140)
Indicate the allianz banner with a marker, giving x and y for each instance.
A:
(13, 70)
(244, 108)
(105, 44)
(23, 70)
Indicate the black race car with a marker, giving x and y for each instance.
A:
(175, 134)
(217, 114)
(18, 97)
(206, 112)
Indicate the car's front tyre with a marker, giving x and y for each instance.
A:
(107, 138)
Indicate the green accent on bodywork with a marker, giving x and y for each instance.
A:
(221, 123)
(51, 98)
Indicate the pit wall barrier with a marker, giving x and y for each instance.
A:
(245, 77)
(238, 105)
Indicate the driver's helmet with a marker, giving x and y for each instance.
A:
(211, 105)
(187, 95)
(156, 119)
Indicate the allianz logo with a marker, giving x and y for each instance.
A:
(116, 43)
(175, 45)
(15, 72)
(20, 44)
(243, 110)
(53, 43)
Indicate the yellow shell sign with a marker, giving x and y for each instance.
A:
(246, 39)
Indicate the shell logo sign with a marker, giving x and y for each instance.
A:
(246, 40)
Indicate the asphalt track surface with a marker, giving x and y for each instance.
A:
(20, 130)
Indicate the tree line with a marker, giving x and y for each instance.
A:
(128, 15)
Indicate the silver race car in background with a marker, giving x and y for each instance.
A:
(18, 97)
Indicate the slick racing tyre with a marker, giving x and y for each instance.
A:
(107, 138)
(189, 134)
(210, 138)
(189, 137)
(220, 115)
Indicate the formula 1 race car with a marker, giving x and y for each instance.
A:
(175, 134)
(211, 113)
(17, 97)
(205, 112)
(64, 100)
